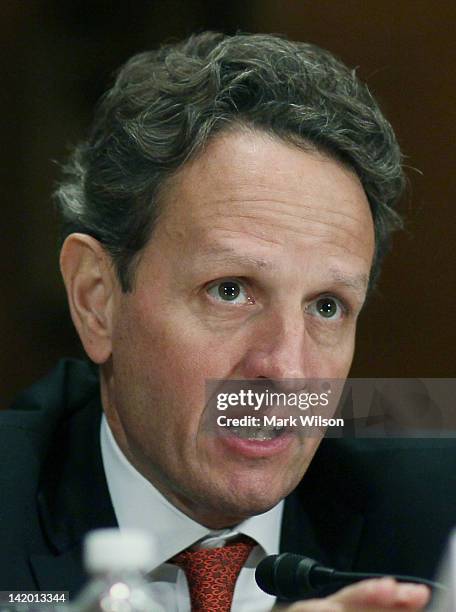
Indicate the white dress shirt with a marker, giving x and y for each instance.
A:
(138, 504)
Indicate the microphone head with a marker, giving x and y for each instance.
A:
(264, 574)
(286, 576)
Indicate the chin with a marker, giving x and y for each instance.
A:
(229, 515)
(249, 501)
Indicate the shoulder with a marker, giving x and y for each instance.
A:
(403, 490)
(369, 468)
(378, 505)
(62, 392)
(28, 427)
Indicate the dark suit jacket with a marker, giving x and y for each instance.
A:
(385, 505)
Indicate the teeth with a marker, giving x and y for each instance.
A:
(256, 433)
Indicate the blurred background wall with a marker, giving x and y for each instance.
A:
(58, 57)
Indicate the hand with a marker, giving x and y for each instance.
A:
(369, 596)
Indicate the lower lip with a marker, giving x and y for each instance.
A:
(257, 448)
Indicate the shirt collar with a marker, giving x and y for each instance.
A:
(137, 503)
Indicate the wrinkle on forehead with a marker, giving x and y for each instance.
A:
(269, 220)
(247, 230)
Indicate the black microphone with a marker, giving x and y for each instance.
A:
(290, 576)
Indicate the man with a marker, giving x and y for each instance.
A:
(224, 220)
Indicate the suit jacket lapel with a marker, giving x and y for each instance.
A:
(73, 499)
(323, 518)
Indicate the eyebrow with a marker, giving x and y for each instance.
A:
(231, 256)
(356, 282)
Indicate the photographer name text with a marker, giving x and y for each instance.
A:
(274, 421)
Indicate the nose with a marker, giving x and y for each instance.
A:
(279, 350)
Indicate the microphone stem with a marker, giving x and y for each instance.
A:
(350, 577)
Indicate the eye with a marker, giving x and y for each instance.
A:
(231, 291)
(327, 308)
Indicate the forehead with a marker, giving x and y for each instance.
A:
(251, 188)
(246, 166)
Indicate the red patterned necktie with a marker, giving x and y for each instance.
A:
(212, 573)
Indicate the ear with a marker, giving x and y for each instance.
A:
(90, 284)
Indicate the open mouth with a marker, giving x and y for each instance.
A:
(253, 437)
(261, 434)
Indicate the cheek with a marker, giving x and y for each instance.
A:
(333, 361)
(342, 362)
(168, 354)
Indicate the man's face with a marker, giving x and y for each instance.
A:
(257, 268)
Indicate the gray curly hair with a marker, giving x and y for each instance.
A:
(166, 104)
